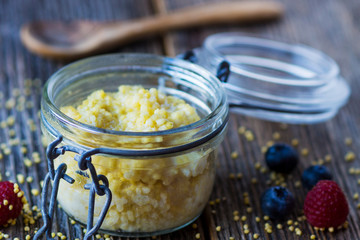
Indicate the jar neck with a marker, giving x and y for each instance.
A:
(71, 84)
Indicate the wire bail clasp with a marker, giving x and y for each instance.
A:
(84, 162)
(222, 71)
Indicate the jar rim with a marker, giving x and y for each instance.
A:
(213, 42)
(276, 81)
(48, 98)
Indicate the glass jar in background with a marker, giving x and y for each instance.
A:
(276, 81)
(164, 181)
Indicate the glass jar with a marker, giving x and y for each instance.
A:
(274, 80)
(160, 181)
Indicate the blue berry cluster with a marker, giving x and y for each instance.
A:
(278, 202)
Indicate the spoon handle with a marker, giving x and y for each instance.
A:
(214, 13)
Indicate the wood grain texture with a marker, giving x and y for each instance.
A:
(329, 25)
(167, 39)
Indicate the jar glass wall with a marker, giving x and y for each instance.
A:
(166, 179)
(276, 81)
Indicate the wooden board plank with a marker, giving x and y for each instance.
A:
(331, 26)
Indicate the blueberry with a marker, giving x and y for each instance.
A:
(281, 157)
(313, 174)
(277, 202)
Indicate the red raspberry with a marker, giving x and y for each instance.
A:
(10, 202)
(325, 205)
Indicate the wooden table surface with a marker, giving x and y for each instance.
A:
(330, 25)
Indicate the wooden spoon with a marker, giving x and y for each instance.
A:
(77, 39)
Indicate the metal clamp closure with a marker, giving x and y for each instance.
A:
(99, 186)
(222, 71)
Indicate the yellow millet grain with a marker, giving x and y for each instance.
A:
(264, 149)
(12, 133)
(29, 179)
(348, 141)
(349, 156)
(269, 143)
(356, 196)
(276, 135)
(295, 142)
(10, 121)
(27, 162)
(320, 161)
(249, 136)
(241, 130)
(23, 150)
(257, 165)
(10, 104)
(35, 192)
(234, 155)
(7, 151)
(305, 152)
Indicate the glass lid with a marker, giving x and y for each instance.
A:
(274, 80)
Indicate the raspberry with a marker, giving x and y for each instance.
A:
(325, 205)
(10, 202)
